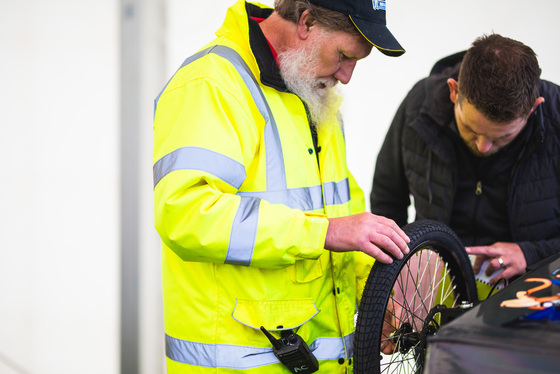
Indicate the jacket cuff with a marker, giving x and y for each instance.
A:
(315, 246)
(529, 251)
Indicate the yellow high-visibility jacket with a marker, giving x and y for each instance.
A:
(241, 203)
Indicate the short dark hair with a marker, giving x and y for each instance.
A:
(330, 20)
(500, 77)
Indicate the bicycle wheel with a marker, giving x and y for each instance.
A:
(402, 301)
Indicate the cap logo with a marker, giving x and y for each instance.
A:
(378, 4)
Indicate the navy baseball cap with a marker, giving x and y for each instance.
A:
(369, 18)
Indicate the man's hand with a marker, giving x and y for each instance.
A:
(374, 235)
(512, 259)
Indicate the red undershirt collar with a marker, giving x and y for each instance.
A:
(259, 20)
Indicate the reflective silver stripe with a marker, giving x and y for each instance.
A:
(349, 342)
(306, 198)
(332, 348)
(233, 172)
(337, 193)
(275, 170)
(226, 356)
(195, 158)
(243, 232)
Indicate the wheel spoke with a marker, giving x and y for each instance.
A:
(403, 301)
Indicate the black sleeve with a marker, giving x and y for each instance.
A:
(536, 251)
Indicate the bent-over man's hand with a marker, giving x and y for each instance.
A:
(376, 236)
(508, 256)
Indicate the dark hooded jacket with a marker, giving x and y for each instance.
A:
(515, 193)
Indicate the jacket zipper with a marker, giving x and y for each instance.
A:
(477, 192)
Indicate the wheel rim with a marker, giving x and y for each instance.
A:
(384, 314)
(427, 281)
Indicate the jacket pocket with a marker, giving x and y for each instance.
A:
(274, 314)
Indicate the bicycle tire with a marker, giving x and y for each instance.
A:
(427, 238)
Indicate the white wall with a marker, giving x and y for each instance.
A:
(59, 208)
(60, 145)
(64, 224)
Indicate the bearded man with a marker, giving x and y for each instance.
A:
(262, 225)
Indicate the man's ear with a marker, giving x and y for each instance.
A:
(538, 102)
(453, 90)
(305, 23)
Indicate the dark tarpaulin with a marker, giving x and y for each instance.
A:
(495, 337)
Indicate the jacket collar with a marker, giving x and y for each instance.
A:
(536, 121)
(434, 121)
(270, 73)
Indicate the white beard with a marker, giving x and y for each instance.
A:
(298, 69)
